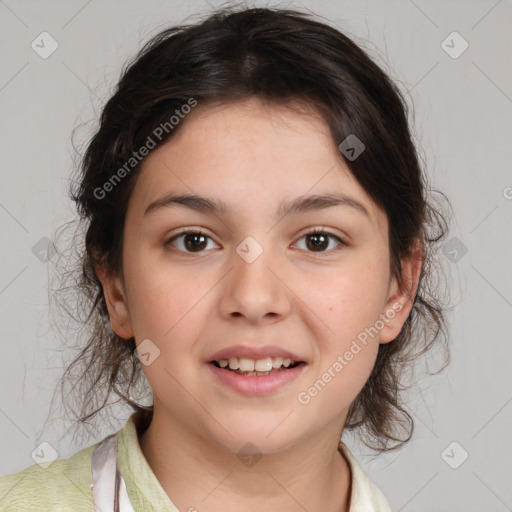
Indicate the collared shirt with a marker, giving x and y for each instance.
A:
(123, 478)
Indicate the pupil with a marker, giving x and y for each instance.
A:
(321, 241)
(193, 238)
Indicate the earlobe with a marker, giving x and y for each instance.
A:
(401, 299)
(117, 305)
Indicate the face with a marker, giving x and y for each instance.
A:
(311, 280)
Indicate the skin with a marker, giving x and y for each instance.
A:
(252, 156)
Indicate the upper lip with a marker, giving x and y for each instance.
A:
(255, 353)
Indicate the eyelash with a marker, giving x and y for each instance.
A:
(314, 231)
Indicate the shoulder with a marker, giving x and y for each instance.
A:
(64, 485)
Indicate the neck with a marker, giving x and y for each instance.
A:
(197, 474)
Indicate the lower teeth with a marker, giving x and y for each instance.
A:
(253, 374)
(258, 374)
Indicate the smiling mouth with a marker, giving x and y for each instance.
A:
(257, 373)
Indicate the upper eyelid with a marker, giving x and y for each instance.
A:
(312, 230)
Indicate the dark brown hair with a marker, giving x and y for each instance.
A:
(283, 57)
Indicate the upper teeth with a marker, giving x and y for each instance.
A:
(251, 365)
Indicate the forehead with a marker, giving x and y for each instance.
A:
(232, 133)
(249, 154)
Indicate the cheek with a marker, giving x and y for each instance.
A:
(170, 315)
(165, 305)
(349, 300)
(344, 360)
(351, 304)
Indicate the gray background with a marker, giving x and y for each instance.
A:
(463, 112)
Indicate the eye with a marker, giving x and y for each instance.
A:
(190, 240)
(318, 240)
(193, 240)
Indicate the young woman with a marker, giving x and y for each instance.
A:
(258, 242)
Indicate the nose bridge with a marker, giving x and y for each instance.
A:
(254, 291)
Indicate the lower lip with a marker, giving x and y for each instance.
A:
(253, 385)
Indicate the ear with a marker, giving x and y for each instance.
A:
(400, 299)
(117, 304)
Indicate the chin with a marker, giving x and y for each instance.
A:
(258, 436)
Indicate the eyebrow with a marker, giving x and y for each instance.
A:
(301, 204)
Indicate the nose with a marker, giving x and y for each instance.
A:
(255, 290)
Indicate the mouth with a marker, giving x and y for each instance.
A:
(256, 369)
(261, 377)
